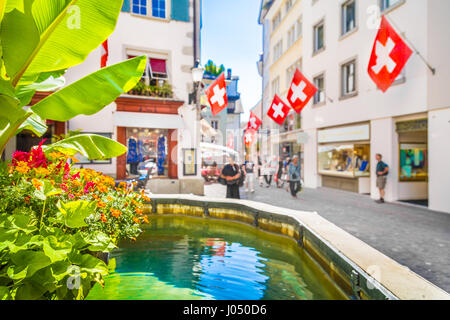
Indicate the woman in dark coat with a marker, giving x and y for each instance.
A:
(231, 173)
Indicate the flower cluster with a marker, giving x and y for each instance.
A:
(118, 211)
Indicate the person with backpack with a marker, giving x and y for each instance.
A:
(382, 171)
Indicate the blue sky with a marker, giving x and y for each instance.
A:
(232, 36)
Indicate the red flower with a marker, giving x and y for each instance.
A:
(75, 176)
(38, 158)
(20, 156)
(66, 171)
(89, 185)
(64, 187)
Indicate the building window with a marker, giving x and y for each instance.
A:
(291, 71)
(299, 27)
(276, 21)
(215, 124)
(319, 82)
(277, 51)
(319, 36)
(289, 4)
(156, 72)
(413, 162)
(291, 37)
(387, 4)
(153, 8)
(348, 72)
(348, 16)
(276, 86)
(351, 160)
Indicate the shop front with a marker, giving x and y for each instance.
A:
(344, 158)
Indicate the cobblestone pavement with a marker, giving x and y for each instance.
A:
(413, 236)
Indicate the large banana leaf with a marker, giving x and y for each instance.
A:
(92, 146)
(35, 124)
(69, 30)
(92, 93)
(11, 117)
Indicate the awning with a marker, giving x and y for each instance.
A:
(207, 130)
(158, 66)
(148, 120)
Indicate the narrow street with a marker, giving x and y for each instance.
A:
(415, 237)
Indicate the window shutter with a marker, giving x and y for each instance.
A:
(126, 6)
(180, 10)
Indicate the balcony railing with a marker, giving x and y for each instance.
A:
(143, 89)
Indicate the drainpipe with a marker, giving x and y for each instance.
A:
(197, 17)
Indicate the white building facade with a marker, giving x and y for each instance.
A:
(165, 34)
(350, 120)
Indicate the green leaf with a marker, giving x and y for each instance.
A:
(91, 264)
(99, 241)
(4, 293)
(92, 93)
(69, 31)
(56, 250)
(11, 117)
(76, 212)
(93, 146)
(35, 124)
(26, 263)
(30, 290)
(49, 81)
(19, 38)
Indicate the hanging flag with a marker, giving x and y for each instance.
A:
(278, 111)
(300, 92)
(217, 94)
(389, 55)
(230, 143)
(105, 53)
(254, 122)
(249, 136)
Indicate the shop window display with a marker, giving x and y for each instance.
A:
(413, 162)
(349, 160)
(147, 150)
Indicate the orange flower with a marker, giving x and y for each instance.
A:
(103, 218)
(146, 219)
(109, 198)
(42, 171)
(27, 199)
(101, 204)
(136, 220)
(116, 213)
(22, 167)
(139, 211)
(95, 196)
(37, 184)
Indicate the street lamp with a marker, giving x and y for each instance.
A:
(197, 77)
(197, 74)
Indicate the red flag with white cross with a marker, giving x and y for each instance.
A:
(278, 111)
(217, 94)
(105, 53)
(389, 56)
(254, 122)
(249, 136)
(300, 92)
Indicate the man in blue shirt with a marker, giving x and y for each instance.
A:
(382, 172)
(294, 176)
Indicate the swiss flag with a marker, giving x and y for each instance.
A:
(389, 55)
(105, 53)
(254, 122)
(278, 111)
(300, 92)
(217, 94)
(230, 143)
(249, 136)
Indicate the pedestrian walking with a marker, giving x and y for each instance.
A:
(382, 172)
(280, 170)
(294, 176)
(249, 167)
(232, 174)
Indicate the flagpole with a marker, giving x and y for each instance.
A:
(433, 70)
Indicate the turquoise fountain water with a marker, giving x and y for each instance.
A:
(190, 258)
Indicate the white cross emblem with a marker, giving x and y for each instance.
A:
(219, 96)
(383, 58)
(278, 110)
(253, 122)
(298, 92)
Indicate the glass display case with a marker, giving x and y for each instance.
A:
(347, 160)
(413, 162)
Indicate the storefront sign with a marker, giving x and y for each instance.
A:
(413, 125)
(353, 133)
